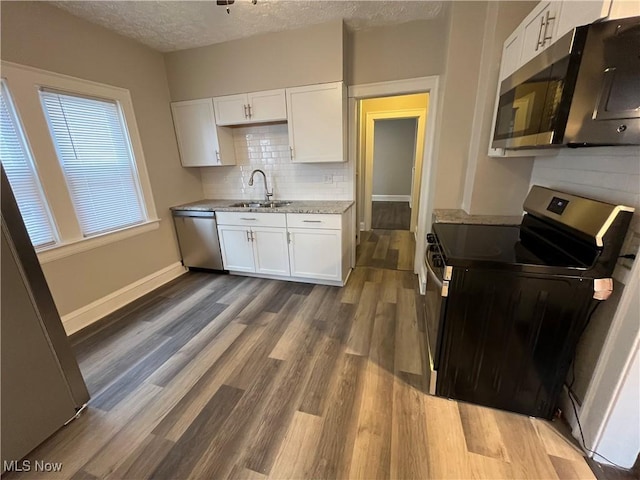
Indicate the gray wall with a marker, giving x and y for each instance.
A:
(409, 50)
(42, 36)
(393, 155)
(264, 62)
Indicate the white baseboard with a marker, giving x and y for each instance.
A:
(391, 198)
(85, 316)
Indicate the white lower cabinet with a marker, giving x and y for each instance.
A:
(237, 248)
(254, 242)
(270, 250)
(315, 253)
(300, 247)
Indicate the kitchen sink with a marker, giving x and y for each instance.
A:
(260, 204)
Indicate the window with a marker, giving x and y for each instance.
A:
(19, 167)
(95, 154)
(93, 187)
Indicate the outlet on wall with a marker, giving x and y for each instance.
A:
(328, 178)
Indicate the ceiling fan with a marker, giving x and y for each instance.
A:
(226, 3)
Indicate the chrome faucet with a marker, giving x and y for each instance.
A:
(267, 194)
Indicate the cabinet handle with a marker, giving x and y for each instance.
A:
(245, 218)
(546, 26)
(245, 111)
(250, 112)
(291, 152)
(539, 43)
(312, 221)
(253, 237)
(218, 156)
(289, 237)
(248, 237)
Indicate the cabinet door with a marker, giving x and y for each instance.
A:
(316, 117)
(576, 13)
(237, 248)
(267, 106)
(539, 30)
(270, 250)
(315, 253)
(511, 53)
(196, 133)
(231, 109)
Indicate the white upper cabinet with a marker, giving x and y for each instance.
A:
(579, 12)
(511, 53)
(200, 142)
(539, 30)
(316, 121)
(255, 107)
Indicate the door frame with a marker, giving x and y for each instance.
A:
(427, 183)
(420, 114)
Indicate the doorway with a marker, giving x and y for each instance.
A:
(392, 133)
(393, 169)
(397, 88)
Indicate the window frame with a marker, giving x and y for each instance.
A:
(24, 84)
(31, 165)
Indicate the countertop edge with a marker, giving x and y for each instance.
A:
(331, 207)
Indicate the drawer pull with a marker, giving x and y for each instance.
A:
(244, 218)
(312, 221)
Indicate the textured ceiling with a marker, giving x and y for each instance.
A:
(176, 25)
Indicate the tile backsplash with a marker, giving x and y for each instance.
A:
(267, 147)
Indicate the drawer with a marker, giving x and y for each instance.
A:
(314, 220)
(252, 219)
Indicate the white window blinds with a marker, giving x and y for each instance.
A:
(94, 151)
(18, 165)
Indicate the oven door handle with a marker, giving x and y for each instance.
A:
(432, 274)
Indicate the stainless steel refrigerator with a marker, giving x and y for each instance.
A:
(42, 387)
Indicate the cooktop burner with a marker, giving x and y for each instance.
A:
(463, 243)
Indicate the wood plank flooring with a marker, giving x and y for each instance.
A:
(388, 249)
(218, 376)
(390, 215)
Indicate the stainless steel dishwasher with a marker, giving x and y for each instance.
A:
(198, 238)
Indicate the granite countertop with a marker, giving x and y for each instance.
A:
(460, 216)
(297, 206)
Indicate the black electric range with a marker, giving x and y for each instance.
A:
(506, 304)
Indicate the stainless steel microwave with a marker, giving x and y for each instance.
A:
(584, 90)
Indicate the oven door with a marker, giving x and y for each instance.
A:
(435, 304)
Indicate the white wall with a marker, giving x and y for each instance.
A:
(610, 174)
(393, 156)
(267, 147)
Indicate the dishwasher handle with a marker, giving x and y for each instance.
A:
(194, 213)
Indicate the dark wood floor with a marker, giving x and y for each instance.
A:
(394, 249)
(218, 376)
(390, 215)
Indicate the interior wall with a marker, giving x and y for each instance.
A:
(393, 156)
(42, 36)
(274, 60)
(459, 90)
(410, 50)
(496, 186)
